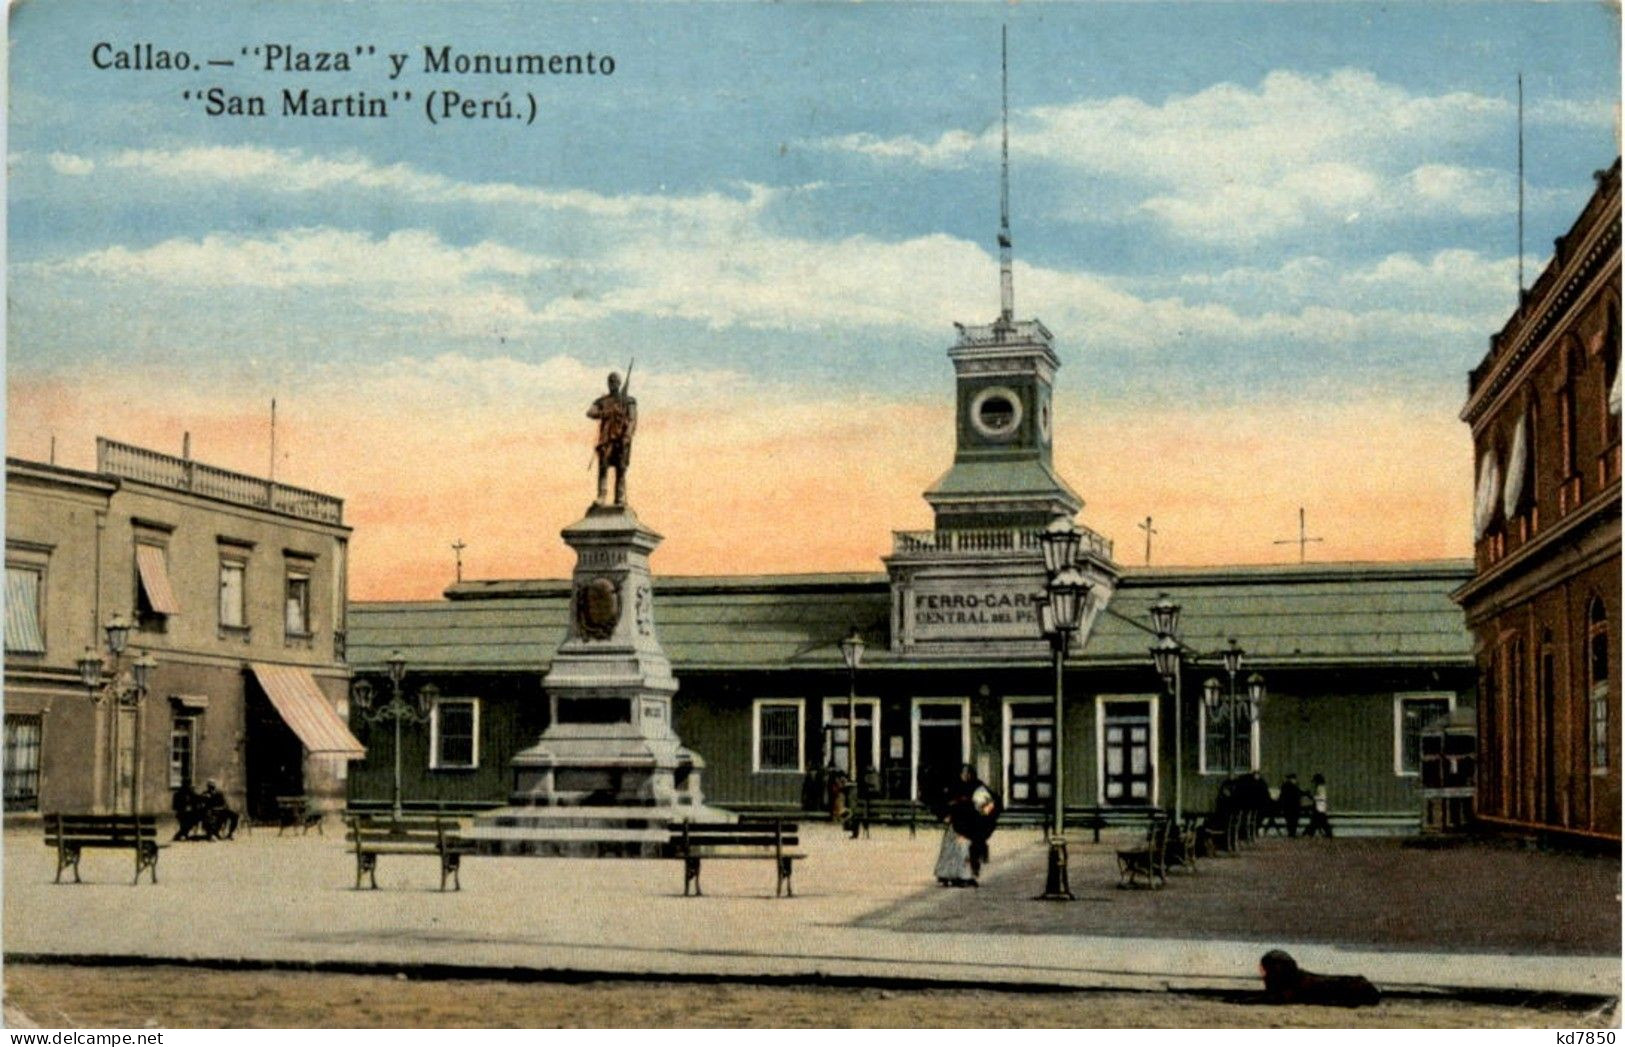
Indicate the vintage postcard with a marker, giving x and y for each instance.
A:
(903, 515)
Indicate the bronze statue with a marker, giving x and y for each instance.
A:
(617, 415)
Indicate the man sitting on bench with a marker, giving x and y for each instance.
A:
(188, 808)
(219, 820)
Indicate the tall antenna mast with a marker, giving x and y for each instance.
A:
(1520, 186)
(1007, 282)
(272, 476)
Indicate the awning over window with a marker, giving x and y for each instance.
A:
(149, 563)
(22, 611)
(306, 710)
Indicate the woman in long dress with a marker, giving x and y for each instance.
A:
(969, 806)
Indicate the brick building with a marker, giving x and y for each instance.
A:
(1544, 604)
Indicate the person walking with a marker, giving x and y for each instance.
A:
(970, 813)
(1320, 808)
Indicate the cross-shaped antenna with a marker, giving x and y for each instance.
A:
(458, 547)
(1149, 531)
(1303, 539)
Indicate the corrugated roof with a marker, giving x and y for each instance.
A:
(1309, 614)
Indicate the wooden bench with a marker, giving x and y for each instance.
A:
(768, 840)
(889, 812)
(70, 834)
(1149, 859)
(293, 812)
(1215, 836)
(374, 836)
(464, 810)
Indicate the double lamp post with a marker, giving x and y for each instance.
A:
(124, 692)
(1169, 654)
(1060, 617)
(397, 709)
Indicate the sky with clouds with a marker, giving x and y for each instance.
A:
(1270, 240)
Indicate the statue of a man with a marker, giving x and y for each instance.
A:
(617, 416)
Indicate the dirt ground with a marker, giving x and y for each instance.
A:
(60, 996)
(1373, 891)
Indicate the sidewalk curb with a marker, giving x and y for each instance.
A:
(1531, 999)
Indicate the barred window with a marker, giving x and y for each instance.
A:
(22, 763)
(778, 726)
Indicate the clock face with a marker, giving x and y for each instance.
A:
(995, 412)
(1044, 420)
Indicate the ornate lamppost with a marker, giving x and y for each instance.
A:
(852, 655)
(130, 691)
(1168, 654)
(398, 710)
(1059, 617)
(1235, 705)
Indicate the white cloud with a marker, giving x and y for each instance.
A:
(295, 171)
(1235, 164)
(1457, 281)
(68, 164)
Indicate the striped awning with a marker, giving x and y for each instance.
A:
(149, 564)
(306, 710)
(22, 611)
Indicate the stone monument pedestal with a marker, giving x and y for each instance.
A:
(609, 775)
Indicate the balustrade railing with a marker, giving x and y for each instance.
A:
(184, 474)
(1012, 541)
(1001, 333)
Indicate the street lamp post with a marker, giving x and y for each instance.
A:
(1236, 705)
(133, 694)
(852, 655)
(397, 710)
(1059, 617)
(1169, 657)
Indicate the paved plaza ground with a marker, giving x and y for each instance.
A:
(1505, 924)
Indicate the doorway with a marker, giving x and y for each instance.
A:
(1127, 738)
(941, 745)
(274, 757)
(1029, 753)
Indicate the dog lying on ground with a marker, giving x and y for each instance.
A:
(1286, 982)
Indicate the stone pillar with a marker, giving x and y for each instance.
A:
(609, 775)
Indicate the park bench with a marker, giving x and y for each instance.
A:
(378, 835)
(293, 812)
(1146, 860)
(888, 812)
(1218, 836)
(768, 840)
(1093, 818)
(462, 810)
(72, 833)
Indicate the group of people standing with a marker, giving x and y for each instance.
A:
(1251, 793)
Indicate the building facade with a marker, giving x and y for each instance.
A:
(1358, 659)
(232, 585)
(1544, 603)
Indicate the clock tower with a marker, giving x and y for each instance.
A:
(976, 583)
(1003, 473)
